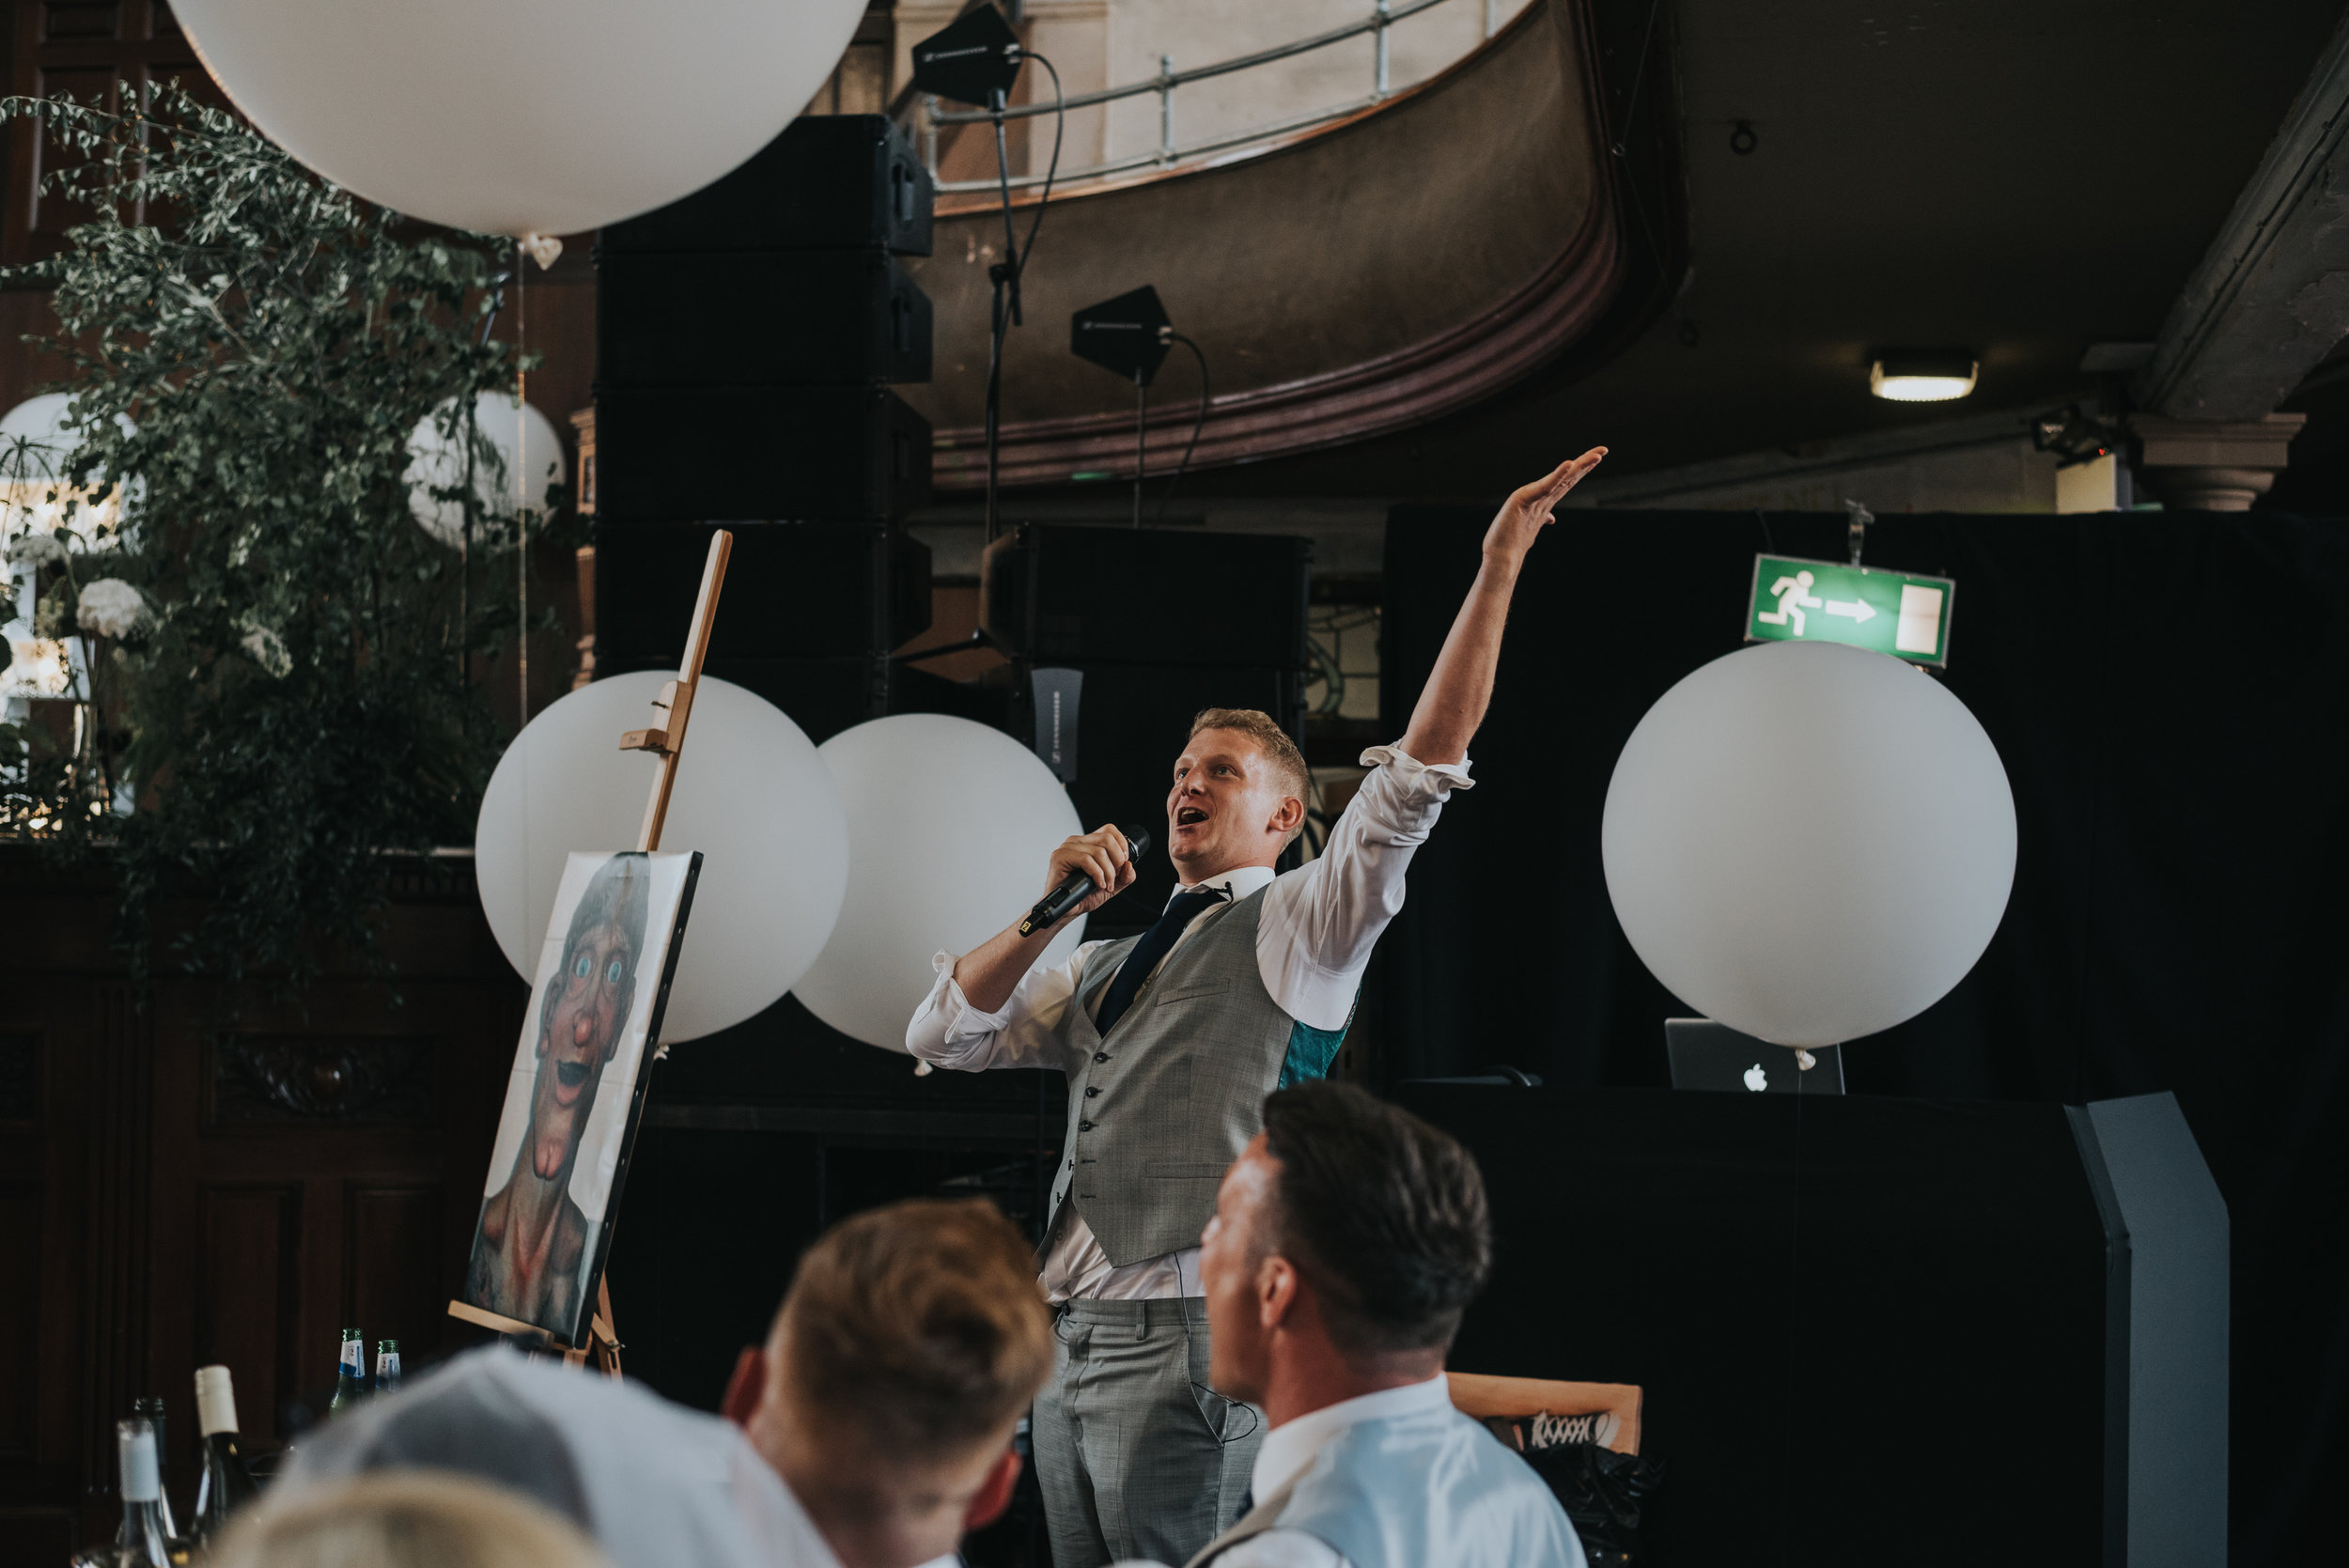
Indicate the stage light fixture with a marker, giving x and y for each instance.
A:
(974, 60)
(1922, 375)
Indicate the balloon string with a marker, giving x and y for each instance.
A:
(1794, 1337)
(521, 512)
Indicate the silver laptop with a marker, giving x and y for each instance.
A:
(1709, 1055)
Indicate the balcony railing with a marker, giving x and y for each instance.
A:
(930, 117)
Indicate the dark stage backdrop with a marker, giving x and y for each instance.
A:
(2170, 694)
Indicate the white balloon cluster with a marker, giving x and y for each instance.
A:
(1809, 842)
(836, 873)
(520, 116)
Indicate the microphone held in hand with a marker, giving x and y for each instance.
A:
(1074, 890)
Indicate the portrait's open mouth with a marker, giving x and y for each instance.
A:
(570, 1075)
(1188, 815)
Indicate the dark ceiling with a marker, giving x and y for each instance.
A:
(2016, 177)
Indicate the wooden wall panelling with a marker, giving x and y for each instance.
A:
(394, 1276)
(118, 1112)
(247, 1298)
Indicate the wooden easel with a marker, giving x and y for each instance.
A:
(665, 742)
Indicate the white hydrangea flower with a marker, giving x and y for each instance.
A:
(39, 546)
(109, 608)
(268, 650)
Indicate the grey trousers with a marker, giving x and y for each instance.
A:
(1135, 1462)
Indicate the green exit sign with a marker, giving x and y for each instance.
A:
(1825, 601)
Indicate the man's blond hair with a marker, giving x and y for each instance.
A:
(1271, 739)
(918, 1325)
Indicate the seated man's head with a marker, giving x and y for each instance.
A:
(913, 1340)
(1239, 795)
(1346, 1241)
(586, 1007)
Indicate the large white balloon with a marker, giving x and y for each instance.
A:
(520, 116)
(437, 463)
(1809, 842)
(751, 795)
(950, 825)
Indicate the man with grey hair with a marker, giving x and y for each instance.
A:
(1172, 1040)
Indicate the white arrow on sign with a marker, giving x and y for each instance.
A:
(1859, 610)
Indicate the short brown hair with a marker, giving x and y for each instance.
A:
(1384, 1214)
(1277, 744)
(918, 1324)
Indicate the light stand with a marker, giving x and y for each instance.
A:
(975, 60)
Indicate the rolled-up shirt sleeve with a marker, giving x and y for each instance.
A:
(947, 1032)
(1321, 921)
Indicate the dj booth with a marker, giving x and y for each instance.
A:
(1871, 1331)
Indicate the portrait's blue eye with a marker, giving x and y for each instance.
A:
(581, 966)
(611, 972)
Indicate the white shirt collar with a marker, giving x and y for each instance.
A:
(1237, 885)
(1291, 1447)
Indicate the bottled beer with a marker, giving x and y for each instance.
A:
(227, 1484)
(141, 1543)
(386, 1365)
(150, 1410)
(350, 1374)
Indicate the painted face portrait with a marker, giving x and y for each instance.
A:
(586, 1011)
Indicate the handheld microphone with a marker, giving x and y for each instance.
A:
(1073, 891)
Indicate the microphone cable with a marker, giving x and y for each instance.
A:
(1197, 424)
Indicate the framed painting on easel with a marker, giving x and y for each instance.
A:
(577, 1089)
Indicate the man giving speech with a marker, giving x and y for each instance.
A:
(1172, 1040)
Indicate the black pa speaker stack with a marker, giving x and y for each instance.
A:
(746, 341)
(1119, 636)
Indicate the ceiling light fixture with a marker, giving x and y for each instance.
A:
(1922, 375)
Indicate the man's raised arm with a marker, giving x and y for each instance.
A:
(1453, 701)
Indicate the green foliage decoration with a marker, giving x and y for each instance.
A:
(254, 347)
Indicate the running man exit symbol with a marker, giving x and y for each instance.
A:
(1901, 614)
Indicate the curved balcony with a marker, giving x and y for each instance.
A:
(1375, 271)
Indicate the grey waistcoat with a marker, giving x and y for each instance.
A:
(1158, 1109)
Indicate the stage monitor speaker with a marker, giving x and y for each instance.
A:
(827, 182)
(750, 452)
(1062, 593)
(794, 590)
(713, 318)
(1134, 719)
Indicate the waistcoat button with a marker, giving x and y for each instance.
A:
(1090, 1092)
(1100, 1056)
(1085, 1127)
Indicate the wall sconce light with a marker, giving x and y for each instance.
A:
(1922, 375)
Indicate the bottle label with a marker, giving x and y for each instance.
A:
(386, 1368)
(354, 1358)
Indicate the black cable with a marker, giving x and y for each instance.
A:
(1006, 275)
(1060, 124)
(1197, 424)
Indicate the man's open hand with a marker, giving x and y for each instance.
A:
(1528, 512)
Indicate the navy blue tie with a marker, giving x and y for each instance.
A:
(1156, 943)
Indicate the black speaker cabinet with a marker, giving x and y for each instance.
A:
(705, 319)
(829, 182)
(759, 452)
(1070, 594)
(794, 590)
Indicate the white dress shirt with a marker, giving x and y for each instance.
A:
(1312, 942)
(1289, 1449)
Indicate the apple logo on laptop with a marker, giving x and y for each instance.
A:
(1756, 1079)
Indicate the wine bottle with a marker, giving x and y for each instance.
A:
(227, 1484)
(350, 1374)
(386, 1365)
(141, 1542)
(150, 1409)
